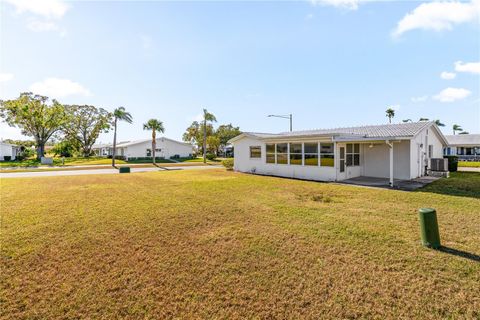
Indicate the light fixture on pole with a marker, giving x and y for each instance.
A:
(283, 117)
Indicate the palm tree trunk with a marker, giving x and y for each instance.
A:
(154, 145)
(114, 142)
(205, 141)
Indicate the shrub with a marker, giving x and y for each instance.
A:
(211, 156)
(228, 163)
(116, 157)
(144, 158)
(7, 158)
(452, 163)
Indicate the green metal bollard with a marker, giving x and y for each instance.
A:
(429, 228)
(124, 170)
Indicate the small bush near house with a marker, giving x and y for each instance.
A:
(7, 158)
(228, 163)
(452, 163)
(211, 156)
(116, 157)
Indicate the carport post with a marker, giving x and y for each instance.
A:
(390, 145)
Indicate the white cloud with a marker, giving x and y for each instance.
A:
(447, 75)
(4, 77)
(419, 99)
(45, 8)
(438, 16)
(472, 67)
(344, 4)
(57, 88)
(309, 16)
(452, 94)
(39, 26)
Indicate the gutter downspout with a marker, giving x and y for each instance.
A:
(390, 145)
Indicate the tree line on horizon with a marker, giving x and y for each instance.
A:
(390, 114)
(77, 127)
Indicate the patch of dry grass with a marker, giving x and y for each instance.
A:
(217, 244)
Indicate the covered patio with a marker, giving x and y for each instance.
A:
(399, 184)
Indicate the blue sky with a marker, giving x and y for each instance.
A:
(331, 63)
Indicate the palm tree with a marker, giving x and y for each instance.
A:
(122, 115)
(390, 114)
(464, 132)
(207, 117)
(423, 119)
(456, 127)
(407, 120)
(438, 123)
(154, 125)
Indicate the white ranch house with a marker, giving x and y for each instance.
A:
(165, 148)
(465, 146)
(394, 151)
(8, 150)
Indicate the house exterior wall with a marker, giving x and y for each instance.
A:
(168, 149)
(376, 160)
(244, 163)
(419, 154)
(7, 150)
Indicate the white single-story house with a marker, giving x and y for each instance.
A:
(165, 148)
(393, 151)
(8, 150)
(465, 146)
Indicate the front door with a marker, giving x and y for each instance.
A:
(342, 164)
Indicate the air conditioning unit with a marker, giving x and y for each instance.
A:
(439, 164)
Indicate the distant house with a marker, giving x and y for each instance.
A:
(8, 150)
(392, 151)
(165, 148)
(465, 146)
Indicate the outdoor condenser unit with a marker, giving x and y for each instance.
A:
(439, 164)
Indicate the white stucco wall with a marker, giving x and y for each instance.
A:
(168, 148)
(244, 163)
(419, 151)
(376, 160)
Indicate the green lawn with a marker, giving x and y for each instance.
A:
(223, 245)
(200, 159)
(75, 162)
(469, 164)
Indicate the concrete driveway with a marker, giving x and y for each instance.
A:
(96, 171)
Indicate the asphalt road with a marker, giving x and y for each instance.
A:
(95, 171)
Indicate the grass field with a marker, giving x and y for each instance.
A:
(76, 162)
(469, 164)
(224, 245)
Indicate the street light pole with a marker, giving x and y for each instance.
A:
(289, 117)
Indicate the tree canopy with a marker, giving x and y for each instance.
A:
(84, 125)
(34, 117)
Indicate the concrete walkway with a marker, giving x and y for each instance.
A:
(405, 185)
(97, 171)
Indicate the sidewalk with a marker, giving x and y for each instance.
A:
(67, 172)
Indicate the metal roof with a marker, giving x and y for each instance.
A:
(463, 140)
(385, 131)
(126, 144)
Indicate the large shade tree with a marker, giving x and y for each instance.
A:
(207, 117)
(194, 134)
(119, 114)
(34, 117)
(226, 132)
(84, 125)
(156, 126)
